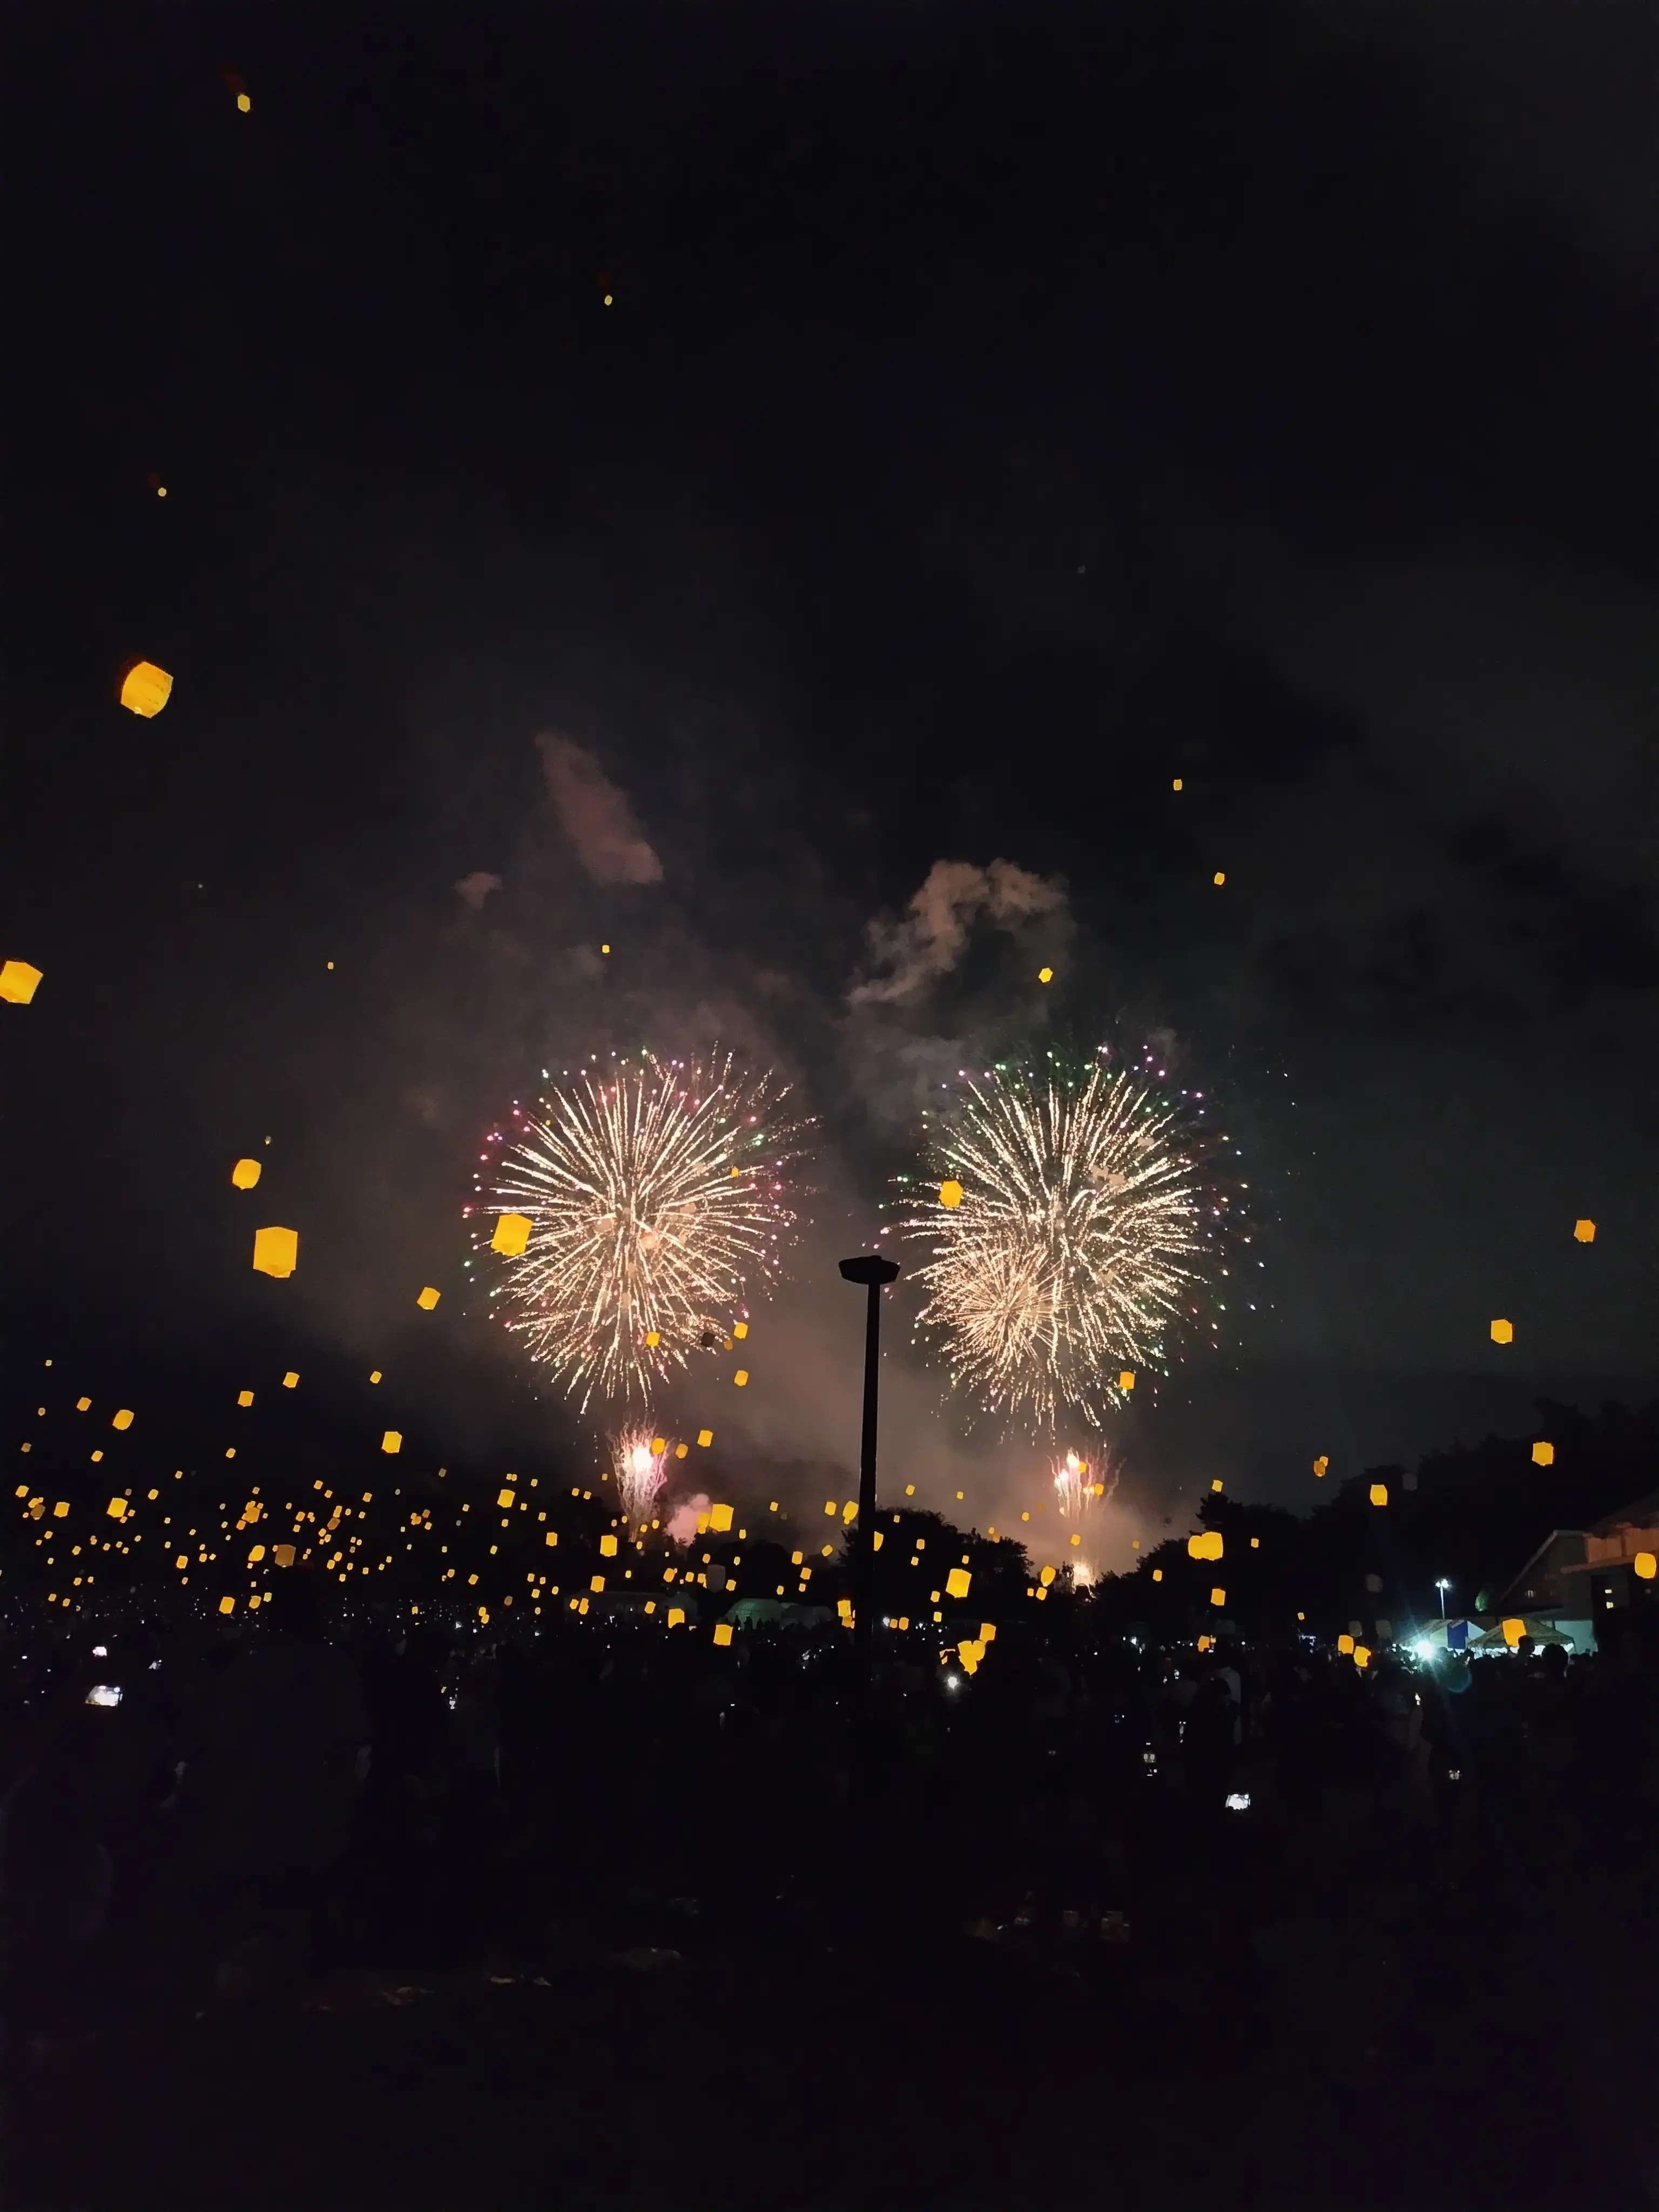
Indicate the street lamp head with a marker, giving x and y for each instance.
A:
(1442, 1584)
(870, 1268)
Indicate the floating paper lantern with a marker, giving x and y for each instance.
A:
(1322, 1463)
(1543, 1455)
(1379, 1493)
(428, 1299)
(957, 1581)
(275, 1251)
(145, 689)
(1644, 1564)
(123, 1419)
(722, 1632)
(720, 1519)
(1502, 1332)
(246, 1174)
(1125, 1381)
(18, 982)
(392, 1441)
(290, 1381)
(1583, 1231)
(1045, 975)
(705, 1435)
(117, 1508)
(512, 1235)
(1218, 1597)
(950, 1193)
(741, 1378)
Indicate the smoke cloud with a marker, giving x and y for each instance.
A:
(681, 1524)
(595, 815)
(476, 888)
(932, 936)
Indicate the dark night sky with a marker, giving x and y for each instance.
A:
(1004, 409)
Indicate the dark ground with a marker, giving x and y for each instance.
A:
(1305, 2013)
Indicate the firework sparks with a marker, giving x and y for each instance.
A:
(1073, 1487)
(656, 1196)
(639, 1461)
(1084, 1230)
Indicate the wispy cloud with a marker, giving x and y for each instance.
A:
(596, 816)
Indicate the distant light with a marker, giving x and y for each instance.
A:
(104, 1693)
(1424, 1649)
(951, 1682)
(100, 1651)
(1238, 1801)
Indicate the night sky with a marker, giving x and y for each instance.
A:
(1002, 411)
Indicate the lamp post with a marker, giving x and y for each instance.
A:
(875, 1273)
(1443, 1586)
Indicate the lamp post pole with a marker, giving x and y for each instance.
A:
(875, 1273)
(1443, 1587)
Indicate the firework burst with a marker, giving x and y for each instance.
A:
(1083, 1231)
(639, 1461)
(656, 1197)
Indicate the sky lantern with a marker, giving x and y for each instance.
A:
(17, 982)
(145, 689)
(275, 1251)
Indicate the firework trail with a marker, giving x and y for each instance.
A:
(1073, 1487)
(1084, 1228)
(639, 1461)
(655, 1194)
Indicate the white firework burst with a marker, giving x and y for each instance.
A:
(657, 1199)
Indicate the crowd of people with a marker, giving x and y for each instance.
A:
(196, 1815)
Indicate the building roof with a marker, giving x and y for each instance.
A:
(1536, 1563)
(1642, 1514)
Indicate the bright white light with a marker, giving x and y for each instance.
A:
(1238, 1801)
(953, 1682)
(1424, 1649)
(103, 1693)
(100, 1651)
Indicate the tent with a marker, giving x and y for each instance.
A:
(1537, 1627)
